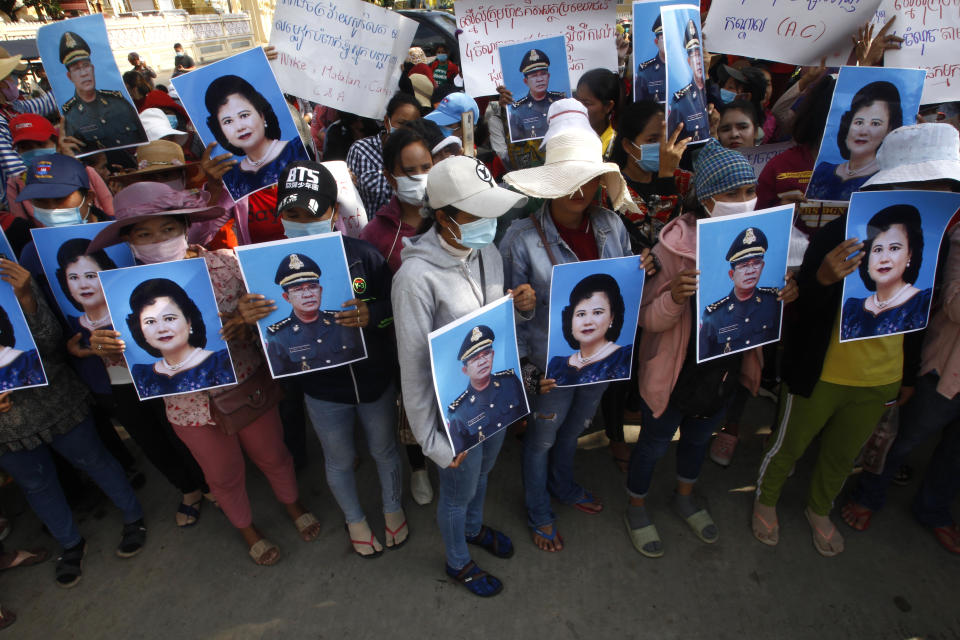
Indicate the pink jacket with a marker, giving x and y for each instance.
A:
(667, 325)
(941, 347)
(386, 232)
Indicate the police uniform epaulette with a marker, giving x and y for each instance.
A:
(115, 94)
(505, 372)
(69, 104)
(276, 326)
(644, 65)
(556, 94)
(519, 103)
(679, 94)
(768, 290)
(456, 403)
(716, 305)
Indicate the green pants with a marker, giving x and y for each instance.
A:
(845, 416)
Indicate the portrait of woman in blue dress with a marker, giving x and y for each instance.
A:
(591, 324)
(168, 325)
(245, 124)
(894, 253)
(78, 279)
(18, 368)
(874, 112)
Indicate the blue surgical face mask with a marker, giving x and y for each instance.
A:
(727, 96)
(172, 120)
(300, 229)
(649, 159)
(31, 155)
(477, 234)
(63, 217)
(442, 57)
(447, 131)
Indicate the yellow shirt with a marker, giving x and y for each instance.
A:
(607, 140)
(873, 362)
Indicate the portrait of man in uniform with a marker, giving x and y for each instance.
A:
(688, 103)
(98, 118)
(309, 338)
(750, 314)
(492, 400)
(527, 116)
(650, 81)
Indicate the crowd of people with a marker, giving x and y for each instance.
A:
(457, 221)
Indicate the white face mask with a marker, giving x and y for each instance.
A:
(411, 189)
(721, 209)
(164, 251)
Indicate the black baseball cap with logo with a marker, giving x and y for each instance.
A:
(306, 185)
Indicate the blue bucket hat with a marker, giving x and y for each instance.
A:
(718, 170)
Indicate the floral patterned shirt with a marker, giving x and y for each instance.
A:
(193, 409)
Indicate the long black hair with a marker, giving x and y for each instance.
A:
(146, 293)
(636, 115)
(71, 251)
(882, 220)
(606, 87)
(595, 283)
(879, 91)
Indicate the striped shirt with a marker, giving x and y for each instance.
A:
(11, 163)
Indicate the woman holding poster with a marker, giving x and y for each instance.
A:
(567, 228)
(153, 219)
(675, 390)
(449, 271)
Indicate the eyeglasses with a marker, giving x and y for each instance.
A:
(749, 265)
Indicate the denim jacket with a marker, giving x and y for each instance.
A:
(526, 260)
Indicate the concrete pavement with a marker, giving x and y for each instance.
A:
(893, 582)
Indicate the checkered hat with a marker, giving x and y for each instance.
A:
(718, 170)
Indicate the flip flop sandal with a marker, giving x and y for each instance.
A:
(698, 522)
(549, 537)
(392, 534)
(70, 566)
(949, 537)
(478, 582)
(585, 499)
(260, 548)
(821, 542)
(368, 543)
(493, 541)
(304, 522)
(763, 531)
(642, 537)
(34, 556)
(191, 511)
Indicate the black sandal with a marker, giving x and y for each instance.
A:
(70, 565)
(493, 541)
(477, 581)
(132, 539)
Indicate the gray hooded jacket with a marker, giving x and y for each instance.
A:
(432, 289)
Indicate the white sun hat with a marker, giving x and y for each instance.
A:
(466, 184)
(918, 153)
(564, 115)
(574, 157)
(156, 125)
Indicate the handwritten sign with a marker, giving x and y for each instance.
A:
(758, 157)
(931, 40)
(791, 31)
(589, 27)
(345, 54)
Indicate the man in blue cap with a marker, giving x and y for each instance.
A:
(99, 119)
(528, 116)
(449, 111)
(58, 188)
(650, 82)
(689, 104)
(491, 402)
(309, 338)
(749, 315)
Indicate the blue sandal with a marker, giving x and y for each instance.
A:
(549, 537)
(588, 498)
(493, 541)
(478, 582)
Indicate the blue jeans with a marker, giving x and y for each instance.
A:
(925, 415)
(34, 471)
(556, 421)
(333, 422)
(655, 438)
(461, 495)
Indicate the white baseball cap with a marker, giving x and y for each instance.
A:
(466, 184)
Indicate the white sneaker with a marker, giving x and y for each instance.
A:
(420, 487)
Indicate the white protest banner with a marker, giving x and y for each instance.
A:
(931, 40)
(589, 27)
(791, 31)
(344, 54)
(758, 157)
